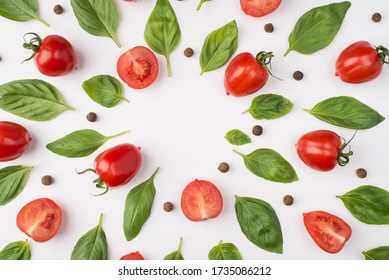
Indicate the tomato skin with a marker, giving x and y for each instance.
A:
(14, 140)
(328, 231)
(133, 256)
(358, 63)
(244, 75)
(40, 219)
(259, 8)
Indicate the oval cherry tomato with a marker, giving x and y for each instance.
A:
(14, 140)
(322, 150)
(133, 256)
(201, 200)
(138, 67)
(328, 231)
(259, 8)
(40, 219)
(360, 62)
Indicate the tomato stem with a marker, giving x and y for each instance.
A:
(343, 158)
(383, 54)
(33, 44)
(86, 170)
(265, 58)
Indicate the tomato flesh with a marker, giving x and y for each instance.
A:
(133, 256)
(259, 8)
(14, 140)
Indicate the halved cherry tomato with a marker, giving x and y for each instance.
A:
(259, 8)
(40, 219)
(201, 200)
(328, 231)
(14, 140)
(133, 256)
(138, 67)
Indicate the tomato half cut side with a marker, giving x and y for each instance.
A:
(259, 8)
(133, 256)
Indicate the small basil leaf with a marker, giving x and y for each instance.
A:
(259, 223)
(13, 179)
(176, 255)
(92, 245)
(379, 253)
(224, 251)
(218, 47)
(317, 28)
(269, 106)
(369, 204)
(20, 10)
(237, 137)
(269, 165)
(138, 206)
(19, 250)
(99, 18)
(201, 4)
(80, 143)
(346, 112)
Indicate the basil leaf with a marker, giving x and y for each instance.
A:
(35, 100)
(317, 28)
(269, 106)
(176, 255)
(269, 165)
(162, 33)
(92, 245)
(138, 206)
(99, 18)
(379, 253)
(19, 250)
(259, 223)
(218, 47)
(20, 10)
(368, 204)
(80, 143)
(201, 4)
(224, 251)
(237, 137)
(346, 112)
(13, 179)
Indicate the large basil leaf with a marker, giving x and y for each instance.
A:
(369, 204)
(162, 33)
(176, 255)
(224, 251)
(346, 112)
(237, 137)
(269, 106)
(138, 206)
(92, 245)
(20, 10)
(19, 250)
(99, 18)
(269, 165)
(259, 223)
(80, 143)
(317, 28)
(201, 4)
(35, 100)
(13, 179)
(218, 47)
(379, 253)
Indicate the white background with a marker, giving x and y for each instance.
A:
(180, 123)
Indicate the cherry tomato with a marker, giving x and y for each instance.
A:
(201, 200)
(328, 231)
(361, 62)
(14, 140)
(138, 67)
(322, 150)
(133, 256)
(259, 8)
(40, 219)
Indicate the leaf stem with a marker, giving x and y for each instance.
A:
(42, 21)
(116, 41)
(169, 70)
(199, 5)
(287, 51)
(119, 134)
(100, 220)
(179, 245)
(239, 153)
(244, 112)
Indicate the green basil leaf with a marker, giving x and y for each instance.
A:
(176, 255)
(269, 165)
(99, 18)
(35, 100)
(162, 33)
(379, 253)
(138, 206)
(20, 10)
(201, 4)
(92, 245)
(369, 204)
(259, 223)
(80, 143)
(237, 137)
(218, 47)
(317, 28)
(346, 112)
(224, 251)
(13, 179)
(269, 106)
(19, 250)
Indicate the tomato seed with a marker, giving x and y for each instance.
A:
(47, 180)
(298, 75)
(257, 130)
(58, 9)
(269, 28)
(168, 206)
(361, 173)
(288, 200)
(376, 17)
(92, 117)
(224, 167)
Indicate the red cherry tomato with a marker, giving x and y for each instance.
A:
(138, 67)
(322, 150)
(201, 200)
(14, 140)
(259, 8)
(361, 62)
(133, 256)
(328, 231)
(40, 219)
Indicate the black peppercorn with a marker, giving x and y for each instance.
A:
(298, 75)
(361, 172)
(257, 130)
(58, 9)
(269, 28)
(47, 180)
(376, 17)
(288, 200)
(92, 117)
(224, 167)
(168, 206)
(188, 52)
